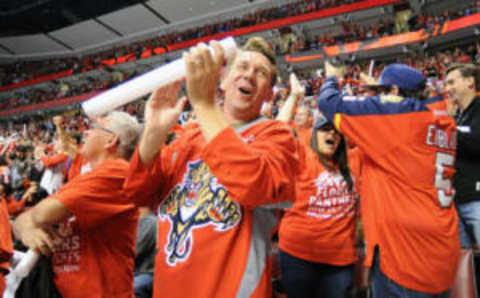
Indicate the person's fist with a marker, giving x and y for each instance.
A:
(367, 80)
(297, 89)
(333, 71)
(39, 151)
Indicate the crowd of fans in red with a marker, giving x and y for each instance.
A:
(20, 71)
(353, 31)
(59, 90)
(433, 66)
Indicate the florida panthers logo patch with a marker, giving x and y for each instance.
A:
(198, 201)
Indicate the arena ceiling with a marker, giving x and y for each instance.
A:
(36, 27)
(24, 17)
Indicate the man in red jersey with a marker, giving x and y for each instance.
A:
(215, 182)
(94, 225)
(409, 221)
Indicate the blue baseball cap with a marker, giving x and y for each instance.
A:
(403, 76)
(320, 121)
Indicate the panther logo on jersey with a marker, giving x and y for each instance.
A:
(198, 201)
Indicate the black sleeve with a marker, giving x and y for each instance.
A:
(468, 137)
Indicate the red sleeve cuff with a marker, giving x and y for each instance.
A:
(142, 183)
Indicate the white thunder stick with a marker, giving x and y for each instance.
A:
(370, 68)
(26, 263)
(144, 84)
(21, 270)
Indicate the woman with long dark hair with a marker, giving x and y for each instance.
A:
(317, 235)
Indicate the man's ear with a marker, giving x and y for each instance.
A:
(112, 143)
(471, 82)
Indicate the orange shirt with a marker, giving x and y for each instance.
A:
(6, 245)
(75, 167)
(320, 227)
(407, 170)
(214, 225)
(355, 160)
(402, 208)
(304, 133)
(3, 284)
(49, 161)
(15, 207)
(95, 255)
(177, 128)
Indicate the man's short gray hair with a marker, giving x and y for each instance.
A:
(307, 108)
(127, 129)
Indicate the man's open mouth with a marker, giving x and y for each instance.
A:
(245, 91)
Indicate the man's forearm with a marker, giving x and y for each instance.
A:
(329, 98)
(45, 214)
(23, 224)
(286, 111)
(150, 144)
(211, 120)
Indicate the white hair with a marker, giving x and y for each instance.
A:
(127, 129)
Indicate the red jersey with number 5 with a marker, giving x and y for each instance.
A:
(407, 207)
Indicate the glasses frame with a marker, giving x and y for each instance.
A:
(97, 125)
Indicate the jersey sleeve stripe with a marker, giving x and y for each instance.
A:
(336, 121)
